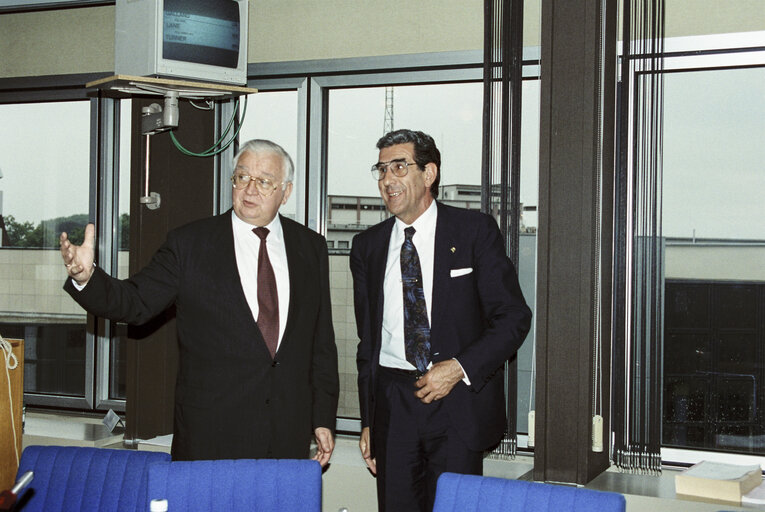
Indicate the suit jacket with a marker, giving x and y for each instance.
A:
(480, 317)
(232, 400)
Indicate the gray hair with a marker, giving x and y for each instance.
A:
(259, 146)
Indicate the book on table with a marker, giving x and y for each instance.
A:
(717, 482)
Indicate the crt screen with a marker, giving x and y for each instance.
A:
(203, 32)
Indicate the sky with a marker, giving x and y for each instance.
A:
(714, 154)
(714, 147)
(44, 155)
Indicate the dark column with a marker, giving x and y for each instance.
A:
(186, 187)
(574, 113)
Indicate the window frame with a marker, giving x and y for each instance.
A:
(103, 152)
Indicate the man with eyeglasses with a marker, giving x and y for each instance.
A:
(257, 375)
(439, 310)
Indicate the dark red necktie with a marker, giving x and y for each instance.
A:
(268, 300)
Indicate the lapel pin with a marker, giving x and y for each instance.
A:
(453, 249)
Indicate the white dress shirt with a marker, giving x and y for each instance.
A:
(392, 351)
(247, 248)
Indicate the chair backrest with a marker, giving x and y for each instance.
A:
(85, 479)
(466, 493)
(237, 485)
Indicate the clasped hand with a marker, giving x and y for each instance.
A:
(439, 381)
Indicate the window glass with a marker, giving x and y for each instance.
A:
(272, 115)
(527, 244)
(44, 189)
(712, 222)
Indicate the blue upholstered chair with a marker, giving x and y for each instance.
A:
(73, 479)
(237, 485)
(468, 493)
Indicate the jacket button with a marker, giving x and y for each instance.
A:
(274, 364)
(268, 401)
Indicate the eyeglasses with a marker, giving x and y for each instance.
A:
(265, 186)
(399, 168)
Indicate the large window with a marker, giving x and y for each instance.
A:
(451, 113)
(701, 284)
(714, 230)
(44, 190)
(49, 183)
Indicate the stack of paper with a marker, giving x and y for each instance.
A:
(717, 482)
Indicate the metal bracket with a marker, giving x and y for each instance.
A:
(152, 201)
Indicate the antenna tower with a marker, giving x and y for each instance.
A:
(388, 123)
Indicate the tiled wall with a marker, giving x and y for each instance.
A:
(31, 283)
(341, 289)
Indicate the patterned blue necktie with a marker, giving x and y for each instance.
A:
(416, 325)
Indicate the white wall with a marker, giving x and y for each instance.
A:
(715, 262)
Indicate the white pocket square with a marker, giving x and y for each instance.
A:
(456, 272)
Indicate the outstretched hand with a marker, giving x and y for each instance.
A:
(78, 259)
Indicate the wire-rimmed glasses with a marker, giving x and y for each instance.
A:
(399, 167)
(265, 186)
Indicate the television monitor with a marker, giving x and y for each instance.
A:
(203, 40)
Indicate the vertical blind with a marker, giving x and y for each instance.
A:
(639, 250)
(500, 179)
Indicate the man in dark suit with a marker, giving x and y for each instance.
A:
(439, 310)
(257, 374)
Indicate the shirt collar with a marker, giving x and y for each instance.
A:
(425, 224)
(274, 227)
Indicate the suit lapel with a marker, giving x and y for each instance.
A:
(230, 268)
(378, 258)
(296, 266)
(443, 253)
